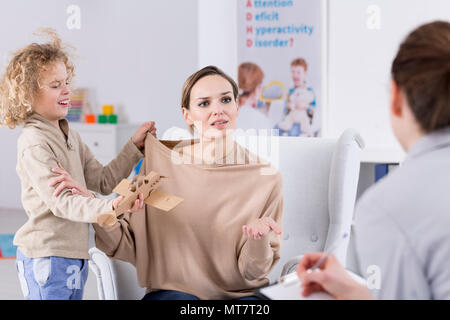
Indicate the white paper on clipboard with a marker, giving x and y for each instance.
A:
(291, 291)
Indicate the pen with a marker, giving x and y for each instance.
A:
(333, 247)
(292, 277)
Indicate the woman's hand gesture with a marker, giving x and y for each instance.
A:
(258, 228)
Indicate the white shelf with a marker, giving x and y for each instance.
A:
(382, 155)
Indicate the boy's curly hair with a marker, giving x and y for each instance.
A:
(20, 82)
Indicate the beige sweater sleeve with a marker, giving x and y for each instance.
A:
(103, 179)
(117, 241)
(257, 257)
(37, 161)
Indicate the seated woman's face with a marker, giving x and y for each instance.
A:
(212, 108)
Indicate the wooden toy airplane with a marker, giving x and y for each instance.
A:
(147, 185)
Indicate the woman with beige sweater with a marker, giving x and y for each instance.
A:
(224, 238)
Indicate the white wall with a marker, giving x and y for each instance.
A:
(134, 54)
(217, 35)
(363, 38)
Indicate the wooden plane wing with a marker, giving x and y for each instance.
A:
(162, 201)
(122, 188)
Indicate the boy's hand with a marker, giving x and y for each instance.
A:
(108, 219)
(66, 181)
(139, 137)
(260, 227)
(138, 204)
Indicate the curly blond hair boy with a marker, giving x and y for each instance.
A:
(53, 163)
(20, 82)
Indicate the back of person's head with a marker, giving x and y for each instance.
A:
(299, 62)
(250, 76)
(421, 70)
(20, 82)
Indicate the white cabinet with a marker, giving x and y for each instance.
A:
(9, 181)
(105, 140)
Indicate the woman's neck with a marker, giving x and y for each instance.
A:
(211, 150)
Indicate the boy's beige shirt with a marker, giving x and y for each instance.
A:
(59, 226)
(199, 246)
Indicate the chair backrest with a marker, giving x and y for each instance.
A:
(320, 178)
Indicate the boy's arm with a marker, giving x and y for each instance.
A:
(103, 179)
(37, 162)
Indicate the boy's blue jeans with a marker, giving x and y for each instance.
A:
(52, 278)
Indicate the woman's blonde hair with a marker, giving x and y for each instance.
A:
(20, 82)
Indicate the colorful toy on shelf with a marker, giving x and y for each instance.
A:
(102, 118)
(79, 105)
(108, 109)
(112, 118)
(89, 118)
(108, 115)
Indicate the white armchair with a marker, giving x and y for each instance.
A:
(320, 178)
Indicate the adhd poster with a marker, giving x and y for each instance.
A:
(280, 66)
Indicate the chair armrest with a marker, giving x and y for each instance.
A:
(103, 268)
(96, 270)
(291, 265)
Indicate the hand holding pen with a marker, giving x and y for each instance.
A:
(292, 277)
(322, 271)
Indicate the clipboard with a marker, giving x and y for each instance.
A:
(289, 290)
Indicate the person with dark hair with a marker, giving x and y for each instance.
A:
(402, 223)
